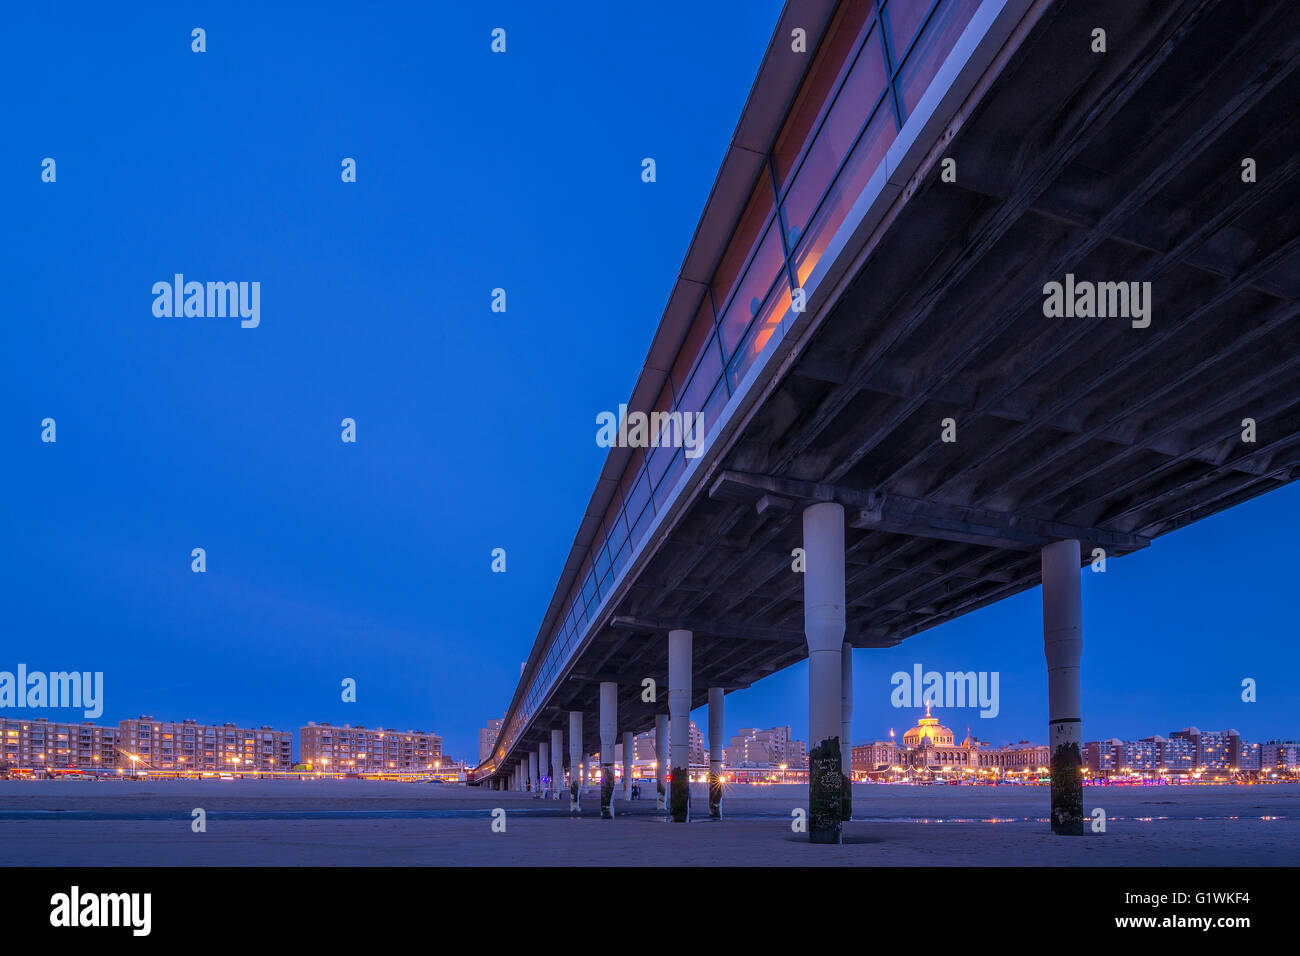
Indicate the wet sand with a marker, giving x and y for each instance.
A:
(361, 823)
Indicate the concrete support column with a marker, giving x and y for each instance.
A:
(629, 751)
(823, 584)
(1063, 647)
(532, 771)
(661, 759)
(557, 761)
(577, 761)
(514, 778)
(543, 768)
(846, 728)
(608, 738)
(679, 710)
(715, 753)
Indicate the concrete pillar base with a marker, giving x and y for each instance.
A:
(846, 729)
(543, 769)
(715, 752)
(662, 760)
(825, 793)
(680, 796)
(1063, 648)
(607, 791)
(608, 736)
(679, 708)
(577, 762)
(629, 754)
(824, 622)
(1067, 788)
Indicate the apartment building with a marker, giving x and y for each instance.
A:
(148, 744)
(1103, 756)
(1177, 754)
(363, 750)
(39, 744)
(1215, 752)
(773, 747)
(487, 737)
(1279, 755)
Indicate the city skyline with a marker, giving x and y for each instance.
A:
(373, 561)
(12, 715)
(941, 649)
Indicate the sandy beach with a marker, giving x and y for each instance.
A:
(360, 823)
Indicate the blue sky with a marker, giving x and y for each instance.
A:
(475, 429)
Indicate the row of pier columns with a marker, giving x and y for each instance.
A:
(830, 701)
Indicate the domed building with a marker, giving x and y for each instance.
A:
(927, 748)
(928, 728)
(929, 751)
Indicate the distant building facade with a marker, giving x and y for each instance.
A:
(362, 750)
(1188, 751)
(930, 748)
(1248, 758)
(1213, 752)
(148, 744)
(774, 747)
(39, 744)
(1103, 756)
(1279, 755)
(487, 738)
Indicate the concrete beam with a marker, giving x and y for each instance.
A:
(711, 629)
(899, 514)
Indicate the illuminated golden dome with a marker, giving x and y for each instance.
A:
(927, 726)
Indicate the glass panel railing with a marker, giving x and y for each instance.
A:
(903, 18)
(852, 179)
(861, 97)
(736, 318)
(932, 48)
(824, 78)
(705, 377)
(754, 221)
(760, 332)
